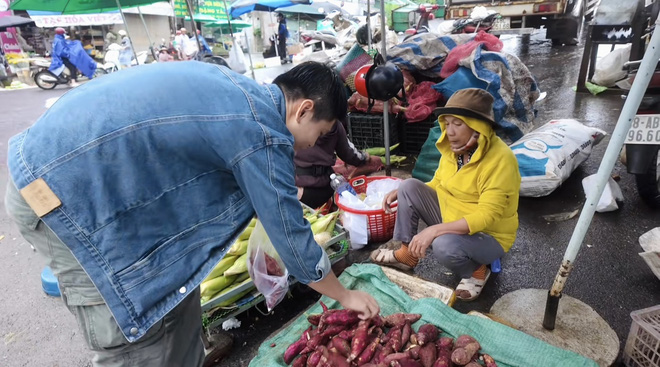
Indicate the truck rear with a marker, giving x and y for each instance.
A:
(561, 18)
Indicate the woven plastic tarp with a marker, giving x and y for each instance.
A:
(429, 158)
(509, 347)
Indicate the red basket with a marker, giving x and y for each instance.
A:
(379, 224)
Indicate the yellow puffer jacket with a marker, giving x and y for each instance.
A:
(485, 191)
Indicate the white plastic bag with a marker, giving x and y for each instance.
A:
(237, 60)
(266, 269)
(548, 155)
(611, 194)
(358, 231)
(609, 69)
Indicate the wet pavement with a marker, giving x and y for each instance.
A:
(609, 275)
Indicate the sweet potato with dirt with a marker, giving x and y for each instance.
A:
(394, 357)
(428, 355)
(336, 360)
(272, 267)
(332, 330)
(444, 343)
(426, 333)
(463, 356)
(368, 352)
(314, 319)
(360, 340)
(386, 338)
(294, 350)
(490, 362)
(342, 317)
(395, 340)
(381, 353)
(301, 361)
(399, 319)
(342, 346)
(377, 321)
(413, 351)
(473, 364)
(315, 358)
(464, 340)
(407, 362)
(313, 343)
(406, 332)
(347, 334)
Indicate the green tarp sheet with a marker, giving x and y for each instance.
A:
(508, 346)
(429, 157)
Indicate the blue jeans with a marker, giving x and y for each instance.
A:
(173, 341)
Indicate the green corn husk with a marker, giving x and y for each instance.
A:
(231, 300)
(240, 266)
(246, 234)
(221, 267)
(238, 248)
(380, 151)
(216, 285)
(322, 224)
(241, 277)
(252, 223)
(395, 159)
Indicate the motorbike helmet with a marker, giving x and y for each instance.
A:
(60, 30)
(379, 81)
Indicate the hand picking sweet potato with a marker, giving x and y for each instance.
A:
(341, 345)
(464, 340)
(368, 352)
(406, 332)
(490, 362)
(360, 340)
(294, 350)
(427, 333)
(399, 319)
(463, 356)
(428, 355)
(301, 361)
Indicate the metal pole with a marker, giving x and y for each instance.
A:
(386, 112)
(128, 33)
(194, 27)
(151, 44)
(626, 117)
(369, 25)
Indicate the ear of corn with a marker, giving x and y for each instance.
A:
(322, 239)
(240, 266)
(246, 234)
(215, 285)
(253, 223)
(394, 159)
(238, 248)
(221, 267)
(380, 151)
(321, 225)
(231, 300)
(241, 277)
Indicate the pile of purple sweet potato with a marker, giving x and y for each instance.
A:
(338, 338)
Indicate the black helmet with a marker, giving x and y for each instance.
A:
(384, 82)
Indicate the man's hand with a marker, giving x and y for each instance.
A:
(362, 303)
(389, 199)
(421, 241)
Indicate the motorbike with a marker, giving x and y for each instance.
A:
(643, 140)
(474, 25)
(426, 12)
(46, 80)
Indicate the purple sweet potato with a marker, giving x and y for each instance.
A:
(301, 361)
(368, 352)
(463, 356)
(386, 338)
(441, 362)
(428, 355)
(473, 364)
(332, 330)
(445, 343)
(313, 343)
(314, 358)
(314, 319)
(342, 317)
(427, 333)
(395, 340)
(463, 341)
(413, 351)
(490, 362)
(337, 360)
(341, 345)
(395, 357)
(444, 346)
(407, 362)
(360, 340)
(381, 353)
(399, 319)
(377, 321)
(294, 350)
(272, 267)
(406, 331)
(347, 334)
(323, 306)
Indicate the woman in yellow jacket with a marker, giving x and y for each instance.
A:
(471, 204)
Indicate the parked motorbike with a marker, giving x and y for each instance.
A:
(426, 12)
(474, 25)
(46, 80)
(643, 140)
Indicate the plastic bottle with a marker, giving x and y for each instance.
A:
(339, 184)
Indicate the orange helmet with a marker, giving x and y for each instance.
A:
(361, 80)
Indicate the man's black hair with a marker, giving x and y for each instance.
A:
(321, 84)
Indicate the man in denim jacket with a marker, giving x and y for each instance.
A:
(133, 207)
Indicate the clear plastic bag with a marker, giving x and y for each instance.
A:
(266, 269)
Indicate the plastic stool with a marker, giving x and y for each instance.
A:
(49, 282)
(496, 266)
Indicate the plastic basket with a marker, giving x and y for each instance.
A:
(643, 344)
(379, 224)
(367, 131)
(414, 135)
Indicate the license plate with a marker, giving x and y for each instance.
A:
(502, 23)
(645, 129)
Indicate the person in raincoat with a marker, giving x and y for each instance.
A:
(126, 53)
(60, 57)
(206, 49)
(470, 206)
(282, 35)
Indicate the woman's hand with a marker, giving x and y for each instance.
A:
(421, 241)
(389, 199)
(362, 303)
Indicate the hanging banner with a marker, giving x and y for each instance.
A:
(68, 20)
(8, 39)
(215, 9)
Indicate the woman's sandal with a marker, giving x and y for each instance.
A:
(386, 257)
(473, 286)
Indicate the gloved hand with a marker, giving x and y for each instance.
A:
(372, 165)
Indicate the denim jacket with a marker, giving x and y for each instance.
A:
(154, 193)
